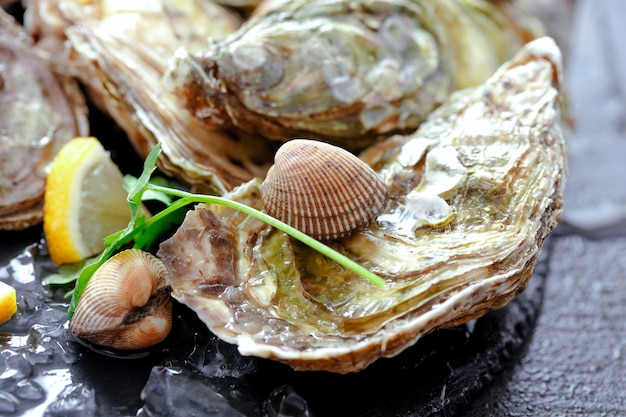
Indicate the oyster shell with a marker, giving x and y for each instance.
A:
(347, 72)
(97, 41)
(278, 299)
(39, 112)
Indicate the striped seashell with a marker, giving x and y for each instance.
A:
(126, 304)
(322, 190)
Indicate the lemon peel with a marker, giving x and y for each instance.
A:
(84, 201)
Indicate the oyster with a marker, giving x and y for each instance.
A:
(98, 42)
(473, 194)
(39, 112)
(347, 72)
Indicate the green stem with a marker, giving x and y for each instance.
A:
(187, 198)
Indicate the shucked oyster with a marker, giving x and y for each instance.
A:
(39, 112)
(473, 194)
(344, 71)
(119, 50)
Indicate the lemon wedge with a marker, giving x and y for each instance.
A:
(8, 302)
(84, 201)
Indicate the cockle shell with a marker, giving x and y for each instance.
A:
(126, 304)
(322, 190)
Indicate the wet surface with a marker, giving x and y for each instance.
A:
(45, 371)
(556, 349)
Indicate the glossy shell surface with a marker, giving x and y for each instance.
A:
(322, 190)
(97, 43)
(473, 195)
(40, 111)
(344, 71)
(126, 304)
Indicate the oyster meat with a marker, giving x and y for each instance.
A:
(39, 112)
(347, 72)
(473, 194)
(119, 50)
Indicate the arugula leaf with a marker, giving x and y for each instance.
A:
(144, 232)
(283, 227)
(67, 273)
(118, 239)
(130, 182)
(149, 236)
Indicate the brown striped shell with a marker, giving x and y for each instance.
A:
(322, 190)
(126, 304)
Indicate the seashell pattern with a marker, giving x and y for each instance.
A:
(322, 190)
(97, 43)
(348, 72)
(473, 194)
(126, 305)
(40, 111)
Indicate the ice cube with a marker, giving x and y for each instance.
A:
(284, 401)
(183, 393)
(8, 403)
(76, 400)
(30, 390)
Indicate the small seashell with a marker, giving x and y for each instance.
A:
(322, 190)
(126, 304)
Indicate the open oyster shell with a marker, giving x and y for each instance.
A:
(347, 72)
(473, 194)
(40, 111)
(119, 50)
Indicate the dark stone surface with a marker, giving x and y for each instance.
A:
(575, 362)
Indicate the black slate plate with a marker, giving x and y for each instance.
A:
(194, 373)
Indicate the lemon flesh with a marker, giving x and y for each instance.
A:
(84, 202)
(8, 302)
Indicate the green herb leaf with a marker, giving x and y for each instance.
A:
(114, 242)
(291, 231)
(67, 274)
(149, 195)
(145, 232)
(151, 234)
